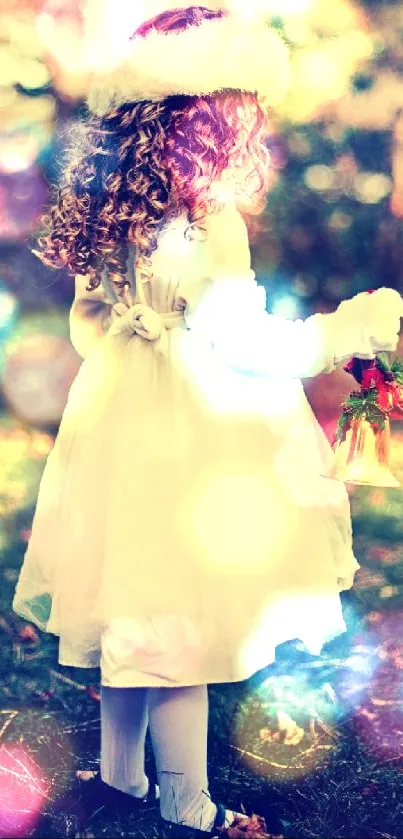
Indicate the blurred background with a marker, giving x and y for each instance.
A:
(333, 226)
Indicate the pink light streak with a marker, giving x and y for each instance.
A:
(23, 791)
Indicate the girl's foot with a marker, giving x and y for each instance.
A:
(89, 797)
(91, 782)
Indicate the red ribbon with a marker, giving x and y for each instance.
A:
(369, 375)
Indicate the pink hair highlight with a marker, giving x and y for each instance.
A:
(178, 20)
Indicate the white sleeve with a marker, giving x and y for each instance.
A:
(232, 316)
(229, 308)
(273, 346)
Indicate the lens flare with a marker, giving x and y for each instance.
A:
(246, 515)
(285, 729)
(378, 718)
(23, 791)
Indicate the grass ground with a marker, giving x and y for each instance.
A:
(317, 742)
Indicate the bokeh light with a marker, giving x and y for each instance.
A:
(287, 729)
(22, 191)
(285, 307)
(372, 187)
(332, 227)
(236, 504)
(38, 372)
(378, 717)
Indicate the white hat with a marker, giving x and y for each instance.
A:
(235, 51)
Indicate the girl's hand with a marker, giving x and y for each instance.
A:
(379, 313)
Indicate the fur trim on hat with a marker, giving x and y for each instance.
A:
(232, 52)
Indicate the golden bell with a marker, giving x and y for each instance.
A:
(362, 457)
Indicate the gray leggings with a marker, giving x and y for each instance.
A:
(177, 718)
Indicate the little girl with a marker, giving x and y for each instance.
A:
(183, 529)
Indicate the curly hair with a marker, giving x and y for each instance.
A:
(145, 163)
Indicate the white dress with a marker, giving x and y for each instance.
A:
(183, 527)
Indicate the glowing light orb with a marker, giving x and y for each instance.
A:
(247, 516)
(22, 192)
(319, 177)
(18, 152)
(372, 187)
(23, 791)
(38, 373)
(285, 307)
(285, 730)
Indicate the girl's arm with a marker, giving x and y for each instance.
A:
(230, 310)
(232, 314)
(90, 316)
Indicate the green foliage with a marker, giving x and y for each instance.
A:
(361, 405)
(397, 370)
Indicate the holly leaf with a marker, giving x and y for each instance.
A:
(397, 370)
(361, 405)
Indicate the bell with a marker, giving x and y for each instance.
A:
(362, 457)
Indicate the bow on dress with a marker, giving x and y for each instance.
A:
(144, 321)
(129, 318)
